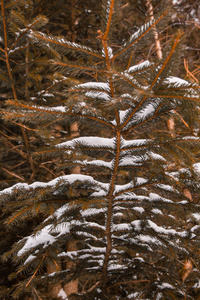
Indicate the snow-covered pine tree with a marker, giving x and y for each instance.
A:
(136, 232)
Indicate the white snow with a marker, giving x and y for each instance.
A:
(166, 285)
(196, 216)
(139, 258)
(136, 143)
(134, 295)
(197, 284)
(148, 239)
(139, 209)
(61, 109)
(66, 178)
(159, 296)
(175, 81)
(98, 95)
(176, 2)
(136, 34)
(59, 212)
(156, 156)
(136, 224)
(97, 163)
(45, 94)
(166, 187)
(29, 259)
(62, 294)
(93, 141)
(110, 52)
(92, 212)
(101, 86)
(139, 67)
(196, 168)
(116, 267)
(144, 112)
(124, 187)
(163, 230)
(156, 211)
(43, 237)
(121, 227)
(131, 161)
(122, 115)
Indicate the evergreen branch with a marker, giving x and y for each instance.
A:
(137, 187)
(19, 16)
(174, 154)
(156, 114)
(25, 31)
(18, 124)
(175, 96)
(40, 36)
(111, 8)
(43, 257)
(188, 86)
(164, 64)
(130, 80)
(141, 34)
(64, 64)
(186, 153)
(58, 111)
(13, 147)
(141, 67)
(12, 3)
(10, 52)
(182, 120)
(161, 144)
(131, 282)
(20, 213)
(133, 112)
(13, 174)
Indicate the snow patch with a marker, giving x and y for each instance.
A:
(196, 216)
(62, 294)
(166, 285)
(139, 209)
(157, 211)
(93, 141)
(43, 237)
(136, 224)
(175, 81)
(139, 67)
(196, 168)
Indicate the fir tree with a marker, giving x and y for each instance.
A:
(134, 225)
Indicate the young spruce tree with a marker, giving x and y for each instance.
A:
(124, 228)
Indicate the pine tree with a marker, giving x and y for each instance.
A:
(135, 229)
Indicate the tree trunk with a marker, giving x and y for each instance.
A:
(72, 286)
(54, 288)
(157, 41)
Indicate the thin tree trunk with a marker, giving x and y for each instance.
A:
(157, 41)
(170, 121)
(171, 126)
(72, 286)
(56, 287)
